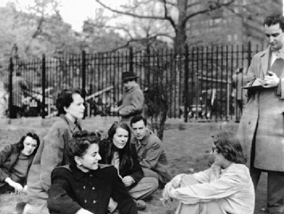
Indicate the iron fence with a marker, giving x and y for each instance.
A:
(196, 82)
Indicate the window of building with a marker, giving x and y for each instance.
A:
(236, 37)
(229, 38)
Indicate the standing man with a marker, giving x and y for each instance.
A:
(133, 99)
(150, 152)
(261, 129)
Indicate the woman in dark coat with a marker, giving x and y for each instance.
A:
(85, 186)
(118, 151)
(15, 161)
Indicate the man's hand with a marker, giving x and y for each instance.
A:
(128, 180)
(270, 80)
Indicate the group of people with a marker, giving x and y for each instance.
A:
(73, 171)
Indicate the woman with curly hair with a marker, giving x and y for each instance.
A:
(15, 162)
(226, 187)
(117, 150)
(85, 186)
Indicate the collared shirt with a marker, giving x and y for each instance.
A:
(231, 188)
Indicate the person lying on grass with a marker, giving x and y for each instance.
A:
(226, 187)
(15, 162)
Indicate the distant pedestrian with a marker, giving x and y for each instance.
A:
(19, 87)
(133, 98)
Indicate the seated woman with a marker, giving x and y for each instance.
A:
(118, 151)
(15, 161)
(84, 186)
(226, 187)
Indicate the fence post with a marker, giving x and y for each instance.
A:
(186, 73)
(11, 68)
(84, 93)
(249, 53)
(43, 86)
(84, 72)
(131, 69)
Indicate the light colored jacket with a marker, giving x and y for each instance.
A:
(50, 154)
(263, 116)
(231, 188)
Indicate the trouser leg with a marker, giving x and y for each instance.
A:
(145, 187)
(275, 191)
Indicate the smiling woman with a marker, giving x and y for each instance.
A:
(84, 186)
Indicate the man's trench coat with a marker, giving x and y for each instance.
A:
(263, 115)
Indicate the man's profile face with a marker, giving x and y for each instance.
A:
(274, 36)
(128, 84)
(139, 129)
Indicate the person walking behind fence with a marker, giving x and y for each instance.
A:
(239, 94)
(226, 187)
(261, 129)
(133, 99)
(51, 153)
(18, 92)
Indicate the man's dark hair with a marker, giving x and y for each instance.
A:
(137, 118)
(274, 19)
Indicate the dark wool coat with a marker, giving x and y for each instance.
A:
(263, 116)
(73, 189)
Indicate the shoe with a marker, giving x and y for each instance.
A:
(20, 207)
(140, 204)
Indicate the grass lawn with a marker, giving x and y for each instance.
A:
(187, 148)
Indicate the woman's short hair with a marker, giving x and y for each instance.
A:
(80, 143)
(34, 136)
(64, 99)
(229, 146)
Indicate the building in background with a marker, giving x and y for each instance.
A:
(237, 24)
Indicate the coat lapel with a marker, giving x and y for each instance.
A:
(265, 62)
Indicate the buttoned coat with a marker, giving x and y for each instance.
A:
(50, 154)
(73, 189)
(8, 158)
(263, 116)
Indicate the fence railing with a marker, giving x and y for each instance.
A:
(197, 82)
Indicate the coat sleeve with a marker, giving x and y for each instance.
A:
(59, 200)
(52, 154)
(135, 105)
(4, 155)
(225, 186)
(153, 154)
(120, 194)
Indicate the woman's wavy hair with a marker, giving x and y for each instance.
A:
(64, 99)
(229, 146)
(125, 157)
(34, 136)
(79, 144)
